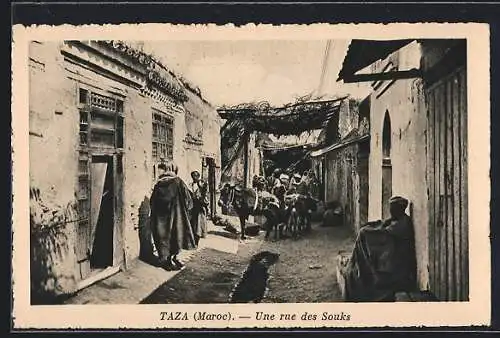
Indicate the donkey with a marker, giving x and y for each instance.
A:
(251, 201)
(299, 211)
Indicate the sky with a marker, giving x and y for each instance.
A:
(277, 71)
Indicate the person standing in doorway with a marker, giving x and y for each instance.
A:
(199, 212)
(170, 205)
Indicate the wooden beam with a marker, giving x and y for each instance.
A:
(392, 75)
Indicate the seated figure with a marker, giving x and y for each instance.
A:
(383, 261)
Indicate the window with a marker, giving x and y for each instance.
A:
(101, 120)
(163, 137)
(386, 137)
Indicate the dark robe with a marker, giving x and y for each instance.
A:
(170, 224)
(383, 261)
(199, 211)
(225, 199)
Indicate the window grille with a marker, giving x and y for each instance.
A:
(162, 137)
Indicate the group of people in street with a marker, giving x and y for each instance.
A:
(383, 260)
(178, 214)
(281, 184)
(280, 199)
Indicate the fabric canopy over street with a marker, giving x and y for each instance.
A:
(352, 137)
(291, 119)
(362, 53)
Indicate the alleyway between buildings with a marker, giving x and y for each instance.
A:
(305, 272)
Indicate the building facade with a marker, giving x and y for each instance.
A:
(418, 149)
(344, 162)
(102, 117)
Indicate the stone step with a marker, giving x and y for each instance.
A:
(416, 296)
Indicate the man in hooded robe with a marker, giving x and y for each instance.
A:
(170, 205)
(383, 261)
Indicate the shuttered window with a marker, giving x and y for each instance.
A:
(163, 137)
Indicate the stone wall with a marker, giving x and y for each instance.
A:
(343, 182)
(53, 127)
(404, 103)
(137, 164)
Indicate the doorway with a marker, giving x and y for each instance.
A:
(386, 166)
(99, 240)
(102, 212)
(209, 173)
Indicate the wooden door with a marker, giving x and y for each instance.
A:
(447, 193)
(83, 228)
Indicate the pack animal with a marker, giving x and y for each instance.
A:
(299, 210)
(253, 201)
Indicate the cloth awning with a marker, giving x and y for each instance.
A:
(363, 53)
(288, 120)
(339, 145)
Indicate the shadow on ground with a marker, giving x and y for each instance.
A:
(305, 272)
(207, 279)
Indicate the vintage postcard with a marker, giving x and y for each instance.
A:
(294, 176)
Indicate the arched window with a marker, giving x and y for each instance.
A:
(386, 136)
(386, 165)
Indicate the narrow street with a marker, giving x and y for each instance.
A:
(143, 166)
(305, 272)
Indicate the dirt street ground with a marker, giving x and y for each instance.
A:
(305, 272)
(306, 269)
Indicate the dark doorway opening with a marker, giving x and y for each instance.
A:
(102, 216)
(210, 164)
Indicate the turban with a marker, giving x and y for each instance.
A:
(284, 177)
(398, 200)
